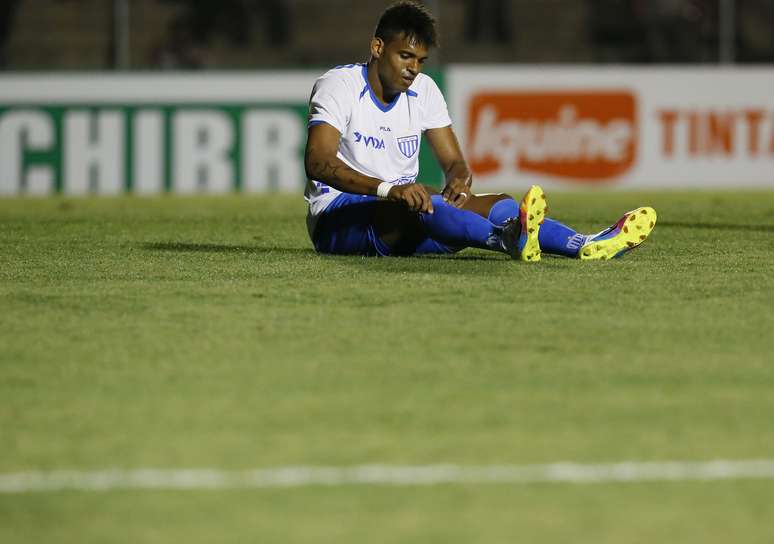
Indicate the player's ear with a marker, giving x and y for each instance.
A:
(377, 47)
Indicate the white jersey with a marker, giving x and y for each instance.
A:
(377, 140)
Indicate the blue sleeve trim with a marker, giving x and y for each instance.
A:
(315, 123)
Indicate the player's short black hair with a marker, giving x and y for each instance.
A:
(407, 17)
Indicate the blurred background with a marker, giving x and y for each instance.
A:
(245, 34)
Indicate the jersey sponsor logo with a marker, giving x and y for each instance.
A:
(369, 141)
(408, 145)
(583, 136)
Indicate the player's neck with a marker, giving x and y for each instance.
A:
(385, 97)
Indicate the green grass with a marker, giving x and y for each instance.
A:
(205, 332)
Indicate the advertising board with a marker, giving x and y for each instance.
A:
(615, 127)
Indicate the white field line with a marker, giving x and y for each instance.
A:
(393, 475)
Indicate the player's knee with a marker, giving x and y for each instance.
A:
(398, 227)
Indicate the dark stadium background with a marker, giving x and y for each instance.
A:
(247, 34)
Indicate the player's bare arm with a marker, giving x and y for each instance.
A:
(458, 177)
(323, 165)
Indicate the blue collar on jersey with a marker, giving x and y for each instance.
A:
(376, 101)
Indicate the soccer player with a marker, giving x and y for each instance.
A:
(365, 126)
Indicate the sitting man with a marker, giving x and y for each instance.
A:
(365, 126)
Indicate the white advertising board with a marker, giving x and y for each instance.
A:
(614, 127)
(146, 134)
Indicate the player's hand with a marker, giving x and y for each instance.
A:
(414, 195)
(457, 191)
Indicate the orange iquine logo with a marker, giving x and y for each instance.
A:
(584, 136)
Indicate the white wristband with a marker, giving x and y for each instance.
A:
(383, 189)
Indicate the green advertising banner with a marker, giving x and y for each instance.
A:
(152, 134)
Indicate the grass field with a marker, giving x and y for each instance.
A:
(205, 332)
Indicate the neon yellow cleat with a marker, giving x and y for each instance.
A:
(626, 234)
(521, 238)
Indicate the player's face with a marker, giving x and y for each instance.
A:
(400, 60)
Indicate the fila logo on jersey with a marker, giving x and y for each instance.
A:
(369, 141)
(408, 145)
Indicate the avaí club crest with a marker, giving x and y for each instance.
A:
(408, 145)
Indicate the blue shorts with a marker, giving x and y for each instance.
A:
(346, 227)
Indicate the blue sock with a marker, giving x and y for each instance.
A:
(558, 239)
(458, 228)
(554, 237)
(503, 210)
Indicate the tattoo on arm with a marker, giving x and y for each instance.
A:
(335, 173)
(327, 170)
